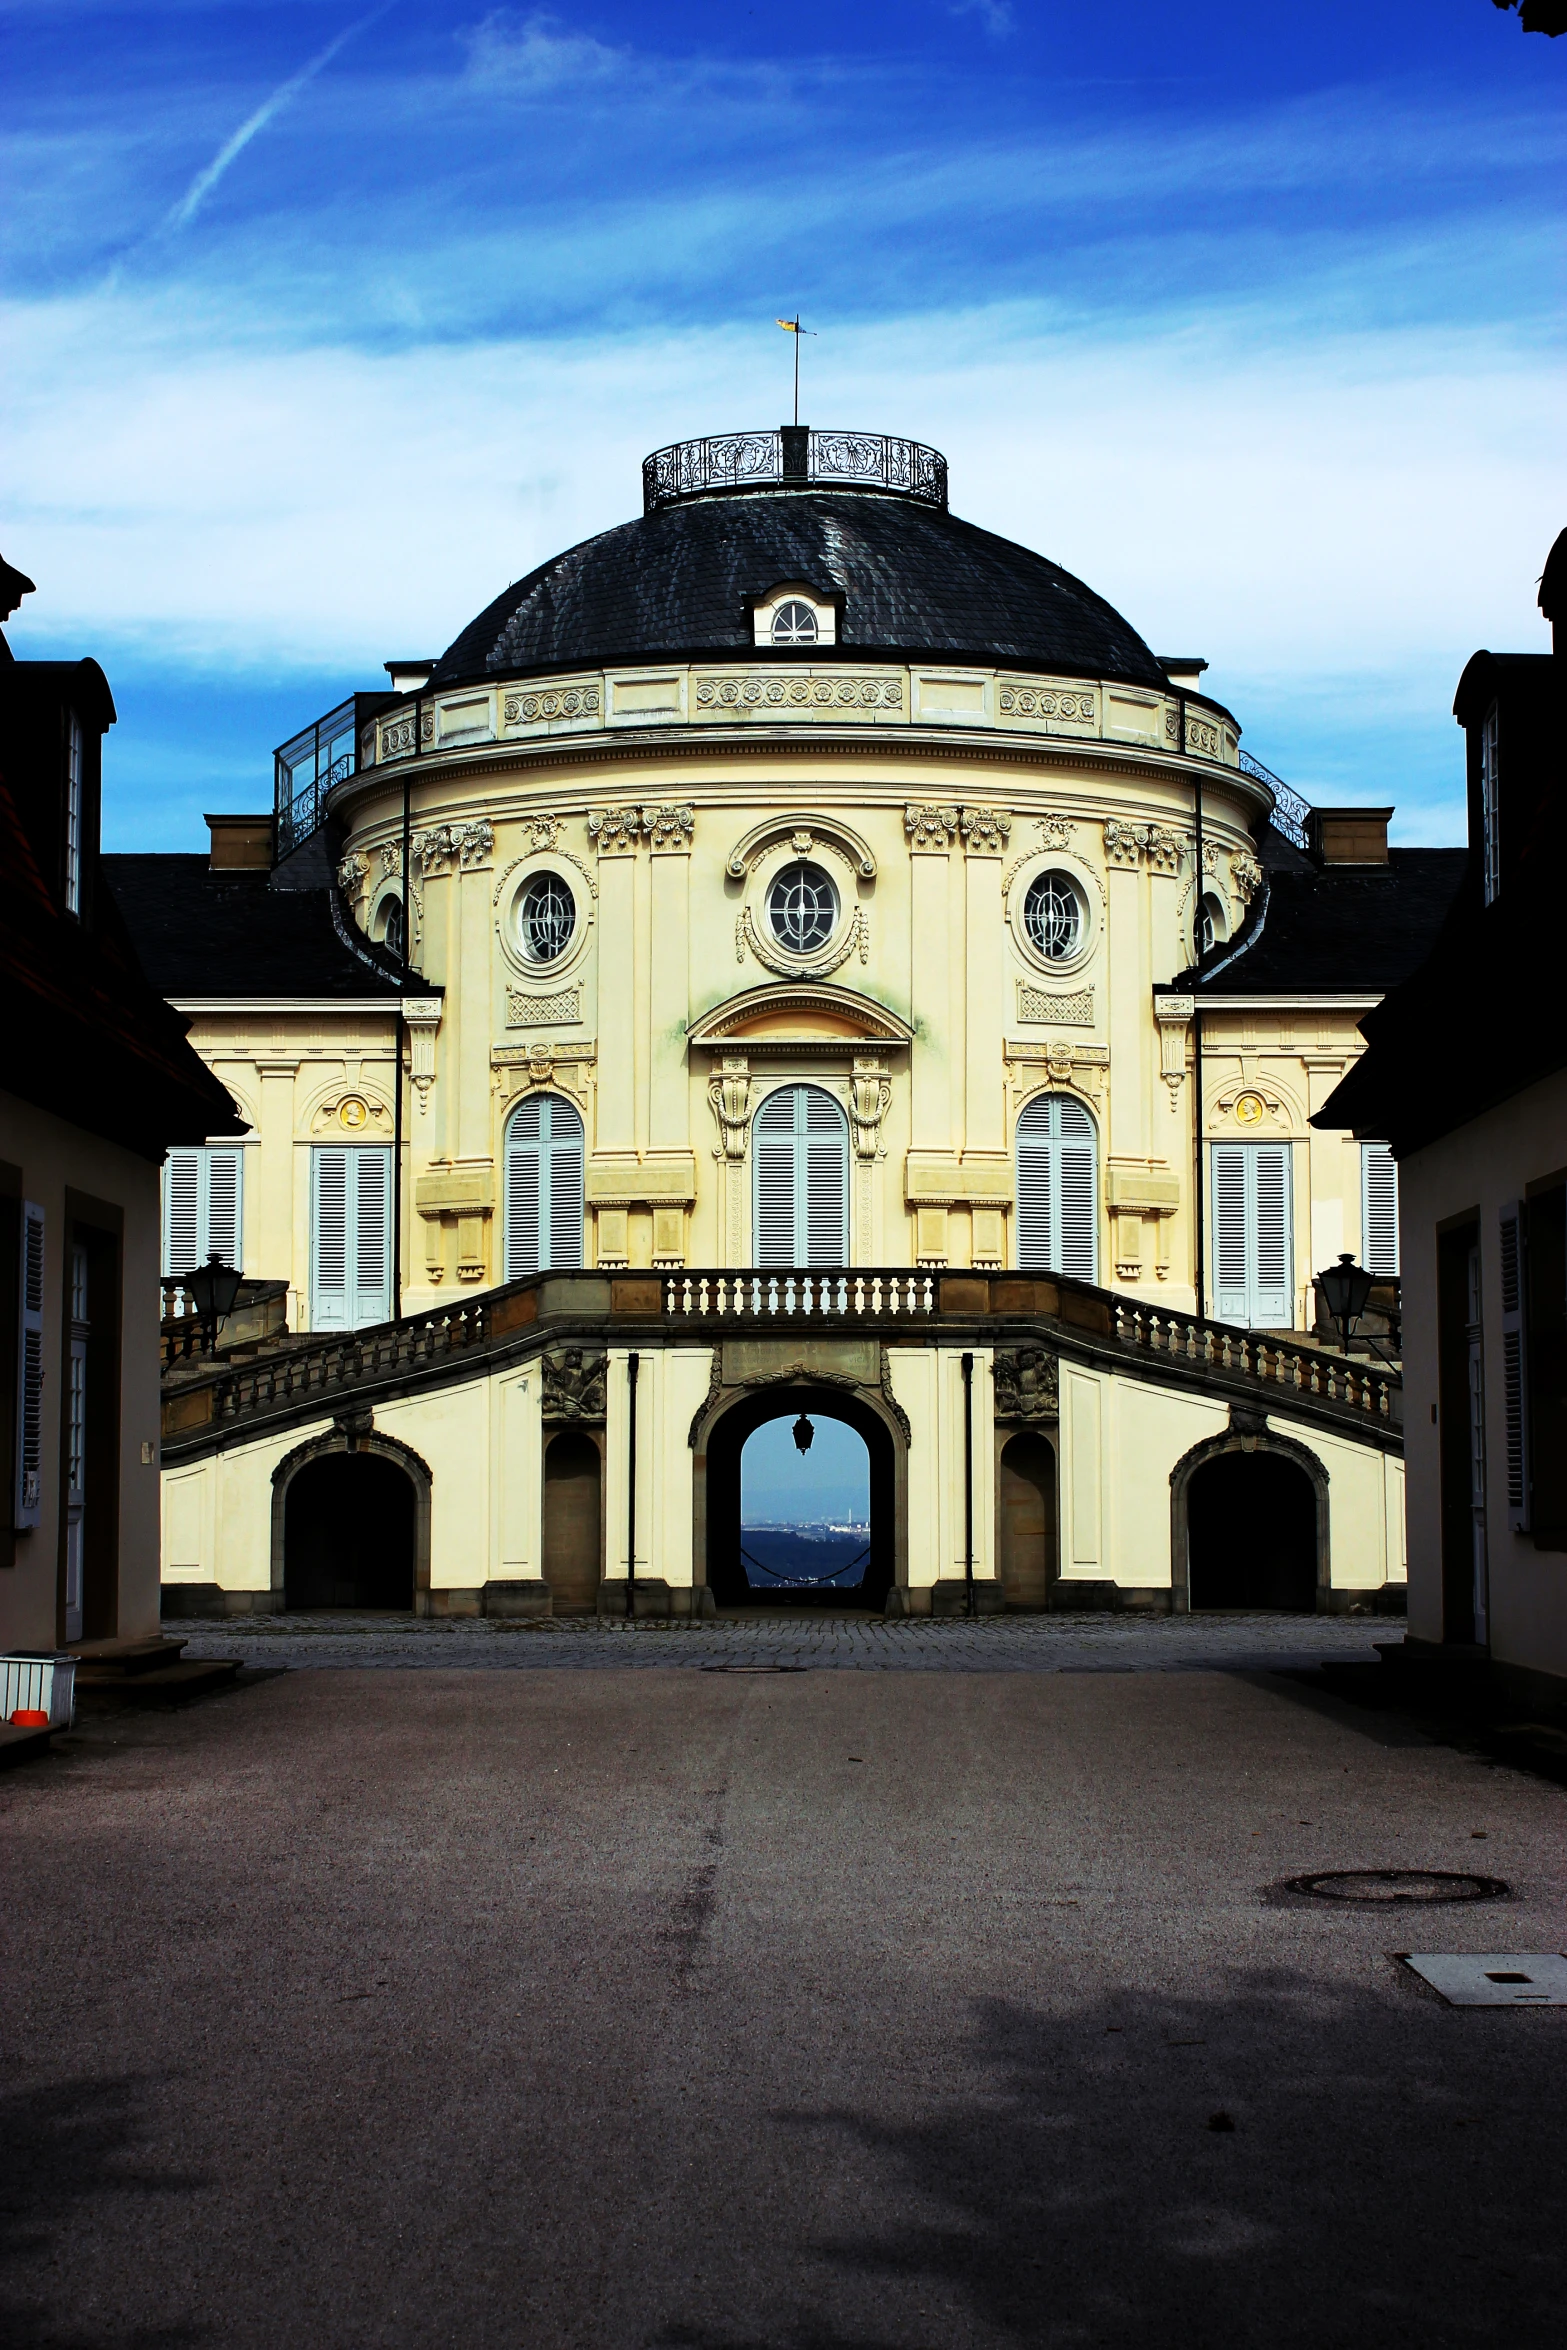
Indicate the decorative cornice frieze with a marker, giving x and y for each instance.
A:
(769, 691)
(563, 701)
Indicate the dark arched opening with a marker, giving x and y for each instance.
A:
(727, 1577)
(572, 1517)
(348, 1533)
(1026, 1521)
(1251, 1527)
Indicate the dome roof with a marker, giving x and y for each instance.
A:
(915, 581)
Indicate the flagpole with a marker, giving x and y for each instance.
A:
(797, 367)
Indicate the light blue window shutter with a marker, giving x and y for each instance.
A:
(329, 1239)
(181, 1212)
(1274, 1307)
(561, 1135)
(1036, 1189)
(523, 1227)
(224, 1223)
(27, 1500)
(1232, 1288)
(824, 1145)
(1058, 1188)
(370, 1233)
(773, 1143)
(1378, 1209)
(1515, 1365)
(1077, 1190)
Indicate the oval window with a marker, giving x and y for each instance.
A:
(1053, 917)
(802, 907)
(794, 623)
(546, 918)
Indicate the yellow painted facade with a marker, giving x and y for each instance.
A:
(666, 802)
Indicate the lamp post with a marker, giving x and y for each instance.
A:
(1346, 1292)
(213, 1288)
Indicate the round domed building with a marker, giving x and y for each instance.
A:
(794, 940)
(799, 863)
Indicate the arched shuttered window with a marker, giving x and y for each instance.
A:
(802, 1179)
(543, 1186)
(1058, 1188)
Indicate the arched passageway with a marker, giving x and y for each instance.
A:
(348, 1533)
(572, 1523)
(1251, 1529)
(1026, 1559)
(751, 1563)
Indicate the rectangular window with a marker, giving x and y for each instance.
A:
(73, 813)
(1378, 1209)
(203, 1209)
(1543, 1283)
(350, 1237)
(1253, 1235)
(1491, 800)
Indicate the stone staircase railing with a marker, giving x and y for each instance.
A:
(631, 1307)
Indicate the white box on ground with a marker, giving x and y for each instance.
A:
(1494, 1978)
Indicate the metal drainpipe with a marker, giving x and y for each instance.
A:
(631, 1485)
(968, 1484)
(1200, 1248)
(397, 1045)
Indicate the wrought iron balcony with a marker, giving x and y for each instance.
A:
(1290, 811)
(306, 767)
(793, 457)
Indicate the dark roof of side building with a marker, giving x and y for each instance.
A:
(1336, 929)
(201, 933)
(677, 584)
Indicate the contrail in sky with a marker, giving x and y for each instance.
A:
(206, 180)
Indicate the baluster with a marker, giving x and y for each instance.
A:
(859, 1293)
(892, 1295)
(930, 1295)
(875, 1293)
(806, 1293)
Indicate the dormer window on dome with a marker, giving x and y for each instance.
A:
(794, 614)
(794, 623)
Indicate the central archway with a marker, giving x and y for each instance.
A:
(727, 1576)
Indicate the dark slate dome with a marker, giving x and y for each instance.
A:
(915, 582)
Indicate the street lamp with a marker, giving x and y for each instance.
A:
(1346, 1292)
(213, 1288)
(802, 1432)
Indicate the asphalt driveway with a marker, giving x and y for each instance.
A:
(808, 2010)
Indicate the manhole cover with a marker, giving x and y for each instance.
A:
(1397, 1885)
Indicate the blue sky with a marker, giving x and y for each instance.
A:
(322, 324)
(782, 1486)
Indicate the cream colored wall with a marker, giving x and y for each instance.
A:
(54, 1157)
(1476, 1171)
(1120, 1441)
(667, 807)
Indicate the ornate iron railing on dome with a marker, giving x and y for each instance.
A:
(792, 457)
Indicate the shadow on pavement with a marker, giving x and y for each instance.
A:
(66, 2149)
(1279, 2165)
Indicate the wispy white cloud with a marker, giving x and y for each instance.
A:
(533, 55)
(201, 187)
(995, 15)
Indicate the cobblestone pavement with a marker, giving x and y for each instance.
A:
(798, 1642)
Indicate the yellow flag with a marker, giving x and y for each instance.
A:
(791, 326)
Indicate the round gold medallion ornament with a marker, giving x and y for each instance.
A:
(353, 1113)
(1249, 1109)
